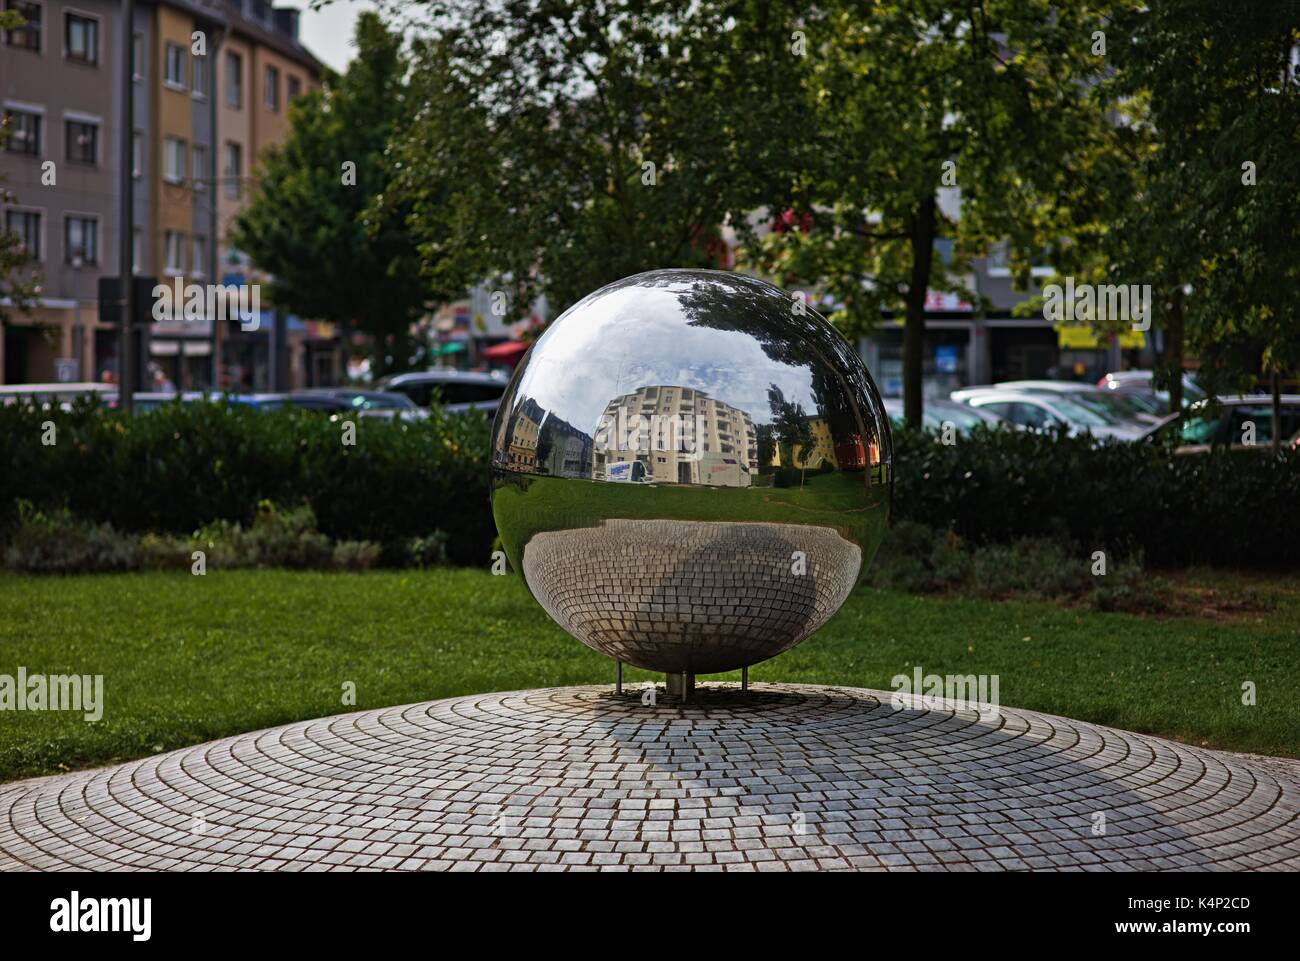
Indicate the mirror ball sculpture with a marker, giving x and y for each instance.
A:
(691, 469)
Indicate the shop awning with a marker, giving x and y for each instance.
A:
(510, 350)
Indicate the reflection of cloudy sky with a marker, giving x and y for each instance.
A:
(635, 337)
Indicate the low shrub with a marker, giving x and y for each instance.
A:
(917, 559)
(55, 542)
(1000, 486)
(59, 543)
(182, 467)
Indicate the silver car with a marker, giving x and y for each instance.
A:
(1043, 411)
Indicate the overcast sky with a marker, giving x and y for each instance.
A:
(328, 32)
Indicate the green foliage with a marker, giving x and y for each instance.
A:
(562, 146)
(1221, 508)
(1209, 88)
(59, 543)
(55, 542)
(908, 97)
(420, 489)
(178, 468)
(309, 222)
(920, 560)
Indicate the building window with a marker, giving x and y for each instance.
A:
(80, 240)
(137, 154)
(200, 256)
(27, 225)
(271, 89)
(137, 57)
(199, 166)
(175, 64)
(83, 141)
(199, 77)
(174, 252)
(174, 160)
(137, 249)
(232, 173)
(234, 80)
(24, 132)
(28, 36)
(293, 87)
(81, 39)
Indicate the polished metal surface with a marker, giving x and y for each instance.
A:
(691, 469)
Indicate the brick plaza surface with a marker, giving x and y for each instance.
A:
(786, 777)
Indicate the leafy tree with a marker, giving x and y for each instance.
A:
(1223, 92)
(311, 221)
(910, 96)
(19, 285)
(562, 146)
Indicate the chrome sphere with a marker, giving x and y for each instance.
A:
(691, 468)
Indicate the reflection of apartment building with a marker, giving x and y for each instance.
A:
(60, 88)
(522, 453)
(821, 452)
(563, 450)
(684, 437)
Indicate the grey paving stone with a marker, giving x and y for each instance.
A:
(785, 777)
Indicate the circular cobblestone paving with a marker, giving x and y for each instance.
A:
(784, 777)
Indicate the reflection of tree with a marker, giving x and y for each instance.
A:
(790, 426)
(791, 334)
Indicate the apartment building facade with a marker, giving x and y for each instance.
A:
(60, 88)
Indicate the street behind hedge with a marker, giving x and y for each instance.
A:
(187, 659)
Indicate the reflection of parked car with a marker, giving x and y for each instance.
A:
(457, 390)
(934, 413)
(1131, 407)
(1227, 422)
(1042, 411)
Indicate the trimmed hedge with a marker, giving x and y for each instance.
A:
(180, 467)
(1223, 508)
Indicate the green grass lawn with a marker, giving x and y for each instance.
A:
(187, 659)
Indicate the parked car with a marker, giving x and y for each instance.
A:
(153, 399)
(1042, 411)
(936, 412)
(457, 390)
(1225, 422)
(256, 401)
(1140, 384)
(1126, 407)
(342, 400)
(52, 395)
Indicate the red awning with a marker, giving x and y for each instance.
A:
(510, 350)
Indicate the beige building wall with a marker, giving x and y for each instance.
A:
(234, 126)
(173, 203)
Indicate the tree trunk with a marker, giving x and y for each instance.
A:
(1174, 351)
(922, 243)
(1277, 413)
